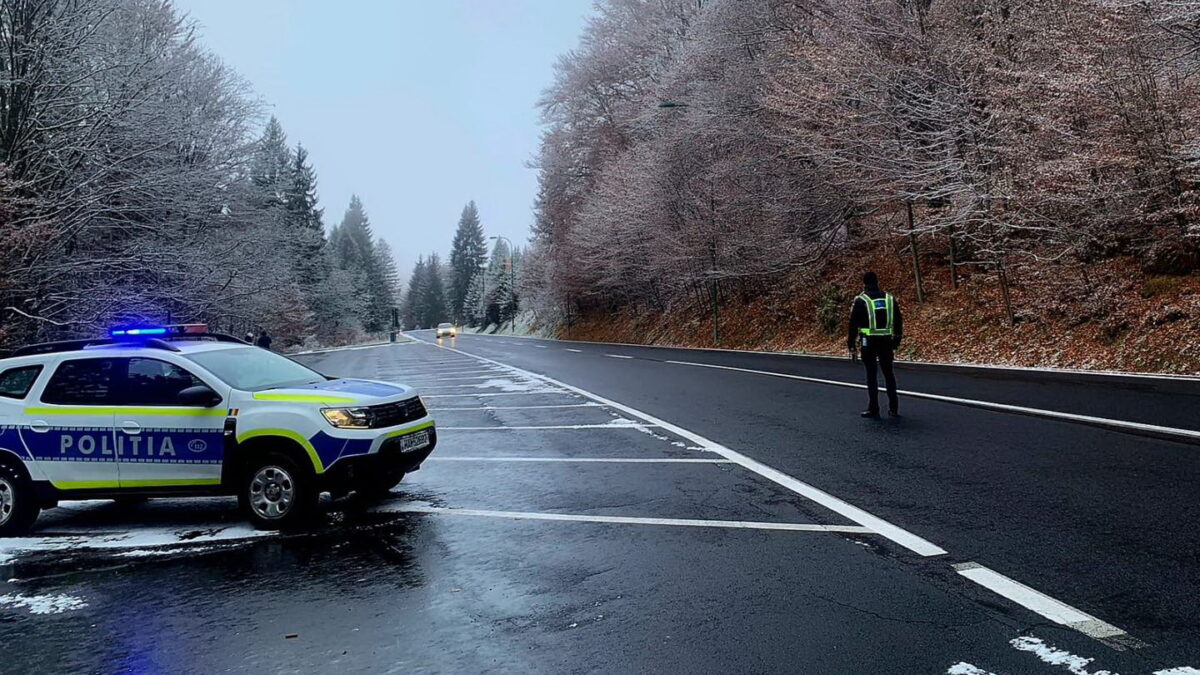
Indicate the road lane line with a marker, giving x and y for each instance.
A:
(874, 523)
(618, 356)
(598, 460)
(628, 520)
(1104, 422)
(553, 426)
(577, 351)
(520, 407)
(1038, 602)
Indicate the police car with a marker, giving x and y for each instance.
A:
(171, 411)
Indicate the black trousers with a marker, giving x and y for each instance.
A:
(878, 350)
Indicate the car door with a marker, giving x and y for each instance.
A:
(161, 444)
(68, 432)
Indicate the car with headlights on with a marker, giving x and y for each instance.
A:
(174, 411)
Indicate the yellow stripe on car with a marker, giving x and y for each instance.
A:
(404, 432)
(112, 484)
(287, 433)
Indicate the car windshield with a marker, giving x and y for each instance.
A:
(443, 325)
(254, 369)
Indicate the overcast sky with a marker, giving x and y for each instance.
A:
(417, 106)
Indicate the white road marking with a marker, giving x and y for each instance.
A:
(874, 523)
(599, 460)
(1053, 656)
(541, 346)
(962, 668)
(627, 520)
(577, 351)
(618, 356)
(521, 407)
(1038, 602)
(1002, 407)
(554, 426)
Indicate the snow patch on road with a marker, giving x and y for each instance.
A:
(136, 540)
(1056, 657)
(43, 604)
(509, 384)
(1182, 670)
(963, 668)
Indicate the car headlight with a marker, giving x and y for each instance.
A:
(348, 418)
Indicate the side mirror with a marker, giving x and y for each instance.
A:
(199, 395)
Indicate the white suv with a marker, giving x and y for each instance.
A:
(176, 411)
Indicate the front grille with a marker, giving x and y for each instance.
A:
(393, 414)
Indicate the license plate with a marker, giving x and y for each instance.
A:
(414, 441)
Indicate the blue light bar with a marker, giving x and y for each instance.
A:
(135, 332)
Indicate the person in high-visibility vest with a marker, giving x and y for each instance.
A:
(876, 328)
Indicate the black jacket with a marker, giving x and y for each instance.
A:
(860, 319)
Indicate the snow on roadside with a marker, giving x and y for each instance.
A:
(143, 539)
(43, 604)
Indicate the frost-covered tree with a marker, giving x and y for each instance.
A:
(467, 253)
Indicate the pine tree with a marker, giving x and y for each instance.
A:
(271, 166)
(433, 296)
(467, 253)
(354, 247)
(304, 220)
(391, 275)
(412, 311)
(473, 306)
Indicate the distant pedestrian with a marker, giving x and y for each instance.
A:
(876, 328)
(263, 340)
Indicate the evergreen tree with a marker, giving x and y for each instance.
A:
(467, 253)
(433, 296)
(271, 165)
(304, 220)
(501, 299)
(473, 306)
(387, 262)
(355, 252)
(412, 311)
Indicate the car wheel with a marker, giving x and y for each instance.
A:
(18, 504)
(277, 494)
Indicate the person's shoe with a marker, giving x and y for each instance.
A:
(893, 413)
(870, 414)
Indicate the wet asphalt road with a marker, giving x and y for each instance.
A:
(554, 532)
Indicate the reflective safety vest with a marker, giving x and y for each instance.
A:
(874, 305)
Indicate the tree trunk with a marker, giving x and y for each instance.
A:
(953, 260)
(916, 260)
(1008, 309)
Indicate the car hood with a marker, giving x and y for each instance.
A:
(339, 392)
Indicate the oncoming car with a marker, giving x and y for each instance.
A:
(177, 411)
(446, 330)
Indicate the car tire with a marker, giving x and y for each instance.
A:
(19, 507)
(375, 488)
(277, 494)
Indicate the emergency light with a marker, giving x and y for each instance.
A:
(157, 331)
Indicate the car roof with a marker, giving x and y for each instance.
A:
(185, 347)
